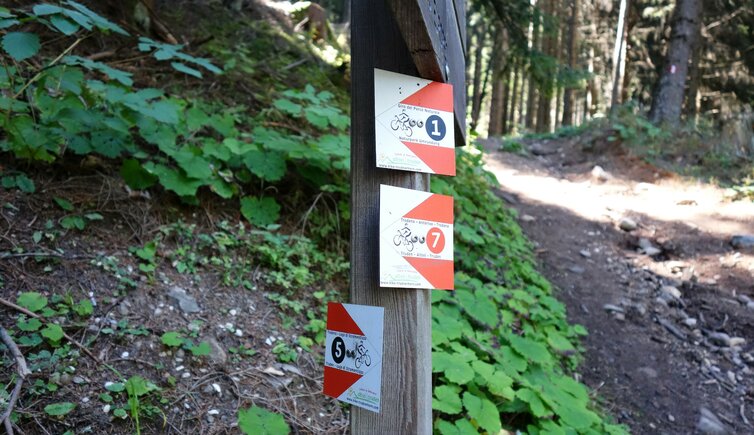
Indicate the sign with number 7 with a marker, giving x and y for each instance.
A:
(416, 239)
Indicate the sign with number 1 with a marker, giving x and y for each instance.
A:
(353, 354)
(414, 124)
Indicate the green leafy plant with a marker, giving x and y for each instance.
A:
(259, 421)
(502, 346)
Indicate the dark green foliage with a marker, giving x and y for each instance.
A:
(502, 346)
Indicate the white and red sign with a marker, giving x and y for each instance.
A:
(416, 239)
(414, 124)
(353, 354)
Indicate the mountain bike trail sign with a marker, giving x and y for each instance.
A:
(353, 354)
(414, 124)
(416, 239)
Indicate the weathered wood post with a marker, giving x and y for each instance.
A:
(420, 38)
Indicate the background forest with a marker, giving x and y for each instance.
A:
(175, 203)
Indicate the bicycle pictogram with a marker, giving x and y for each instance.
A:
(405, 238)
(405, 124)
(360, 354)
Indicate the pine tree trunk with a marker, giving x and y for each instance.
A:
(619, 56)
(506, 98)
(514, 98)
(497, 109)
(476, 90)
(691, 107)
(546, 88)
(532, 94)
(571, 47)
(668, 98)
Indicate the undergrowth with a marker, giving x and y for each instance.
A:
(503, 351)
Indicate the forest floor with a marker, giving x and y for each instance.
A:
(667, 304)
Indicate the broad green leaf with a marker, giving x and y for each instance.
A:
(478, 307)
(195, 166)
(21, 45)
(71, 222)
(259, 421)
(460, 427)
(181, 67)
(267, 165)
(174, 180)
(483, 412)
(59, 409)
(52, 332)
(25, 183)
(121, 76)
(535, 403)
(100, 22)
(288, 106)
(66, 26)
(64, 204)
(260, 212)
(172, 339)
(314, 117)
(455, 367)
(32, 301)
(201, 349)
(84, 308)
(115, 387)
(447, 399)
(46, 9)
(137, 386)
(30, 325)
(6, 23)
(147, 252)
(530, 349)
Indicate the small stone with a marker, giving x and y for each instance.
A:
(217, 354)
(213, 412)
(85, 400)
(576, 269)
(652, 251)
(628, 224)
(584, 253)
(273, 371)
(528, 218)
(79, 380)
(106, 409)
(669, 292)
(744, 299)
(238, 333)
(65, 379)
(217, 389)
(612, 308)
(233, 312)
(157, 311)
(737, 341)
(186, 375)
(649, 372)
(719, 339)
(671, 418)
(600, 174)
(186, 302)
(645, 243)
(750, 305)
(690, 322)
(125, 355)
(709, 424)
(742, 241)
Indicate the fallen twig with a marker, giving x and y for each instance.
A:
(22, 370)
(21, 309)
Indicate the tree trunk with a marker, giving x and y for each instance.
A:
(532, 95)
(619, 56)
(668, 98)
(497, 109)
(506, 98)
(546, 88)
(571, 54)
(514, 98)
(691, 108)
(476, 90)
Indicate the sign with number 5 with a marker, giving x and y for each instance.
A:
(416, 239)
(414, 124)
(353, 354)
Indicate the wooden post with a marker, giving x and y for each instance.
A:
(378, 29)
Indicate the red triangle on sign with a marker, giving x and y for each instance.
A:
(436, 95)
(436, 208)
(439, 273)
(441, 160)
(338, 381)
(339, 320)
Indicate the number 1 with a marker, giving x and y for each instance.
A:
(436, 131)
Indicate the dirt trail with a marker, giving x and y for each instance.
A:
(668, 304)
